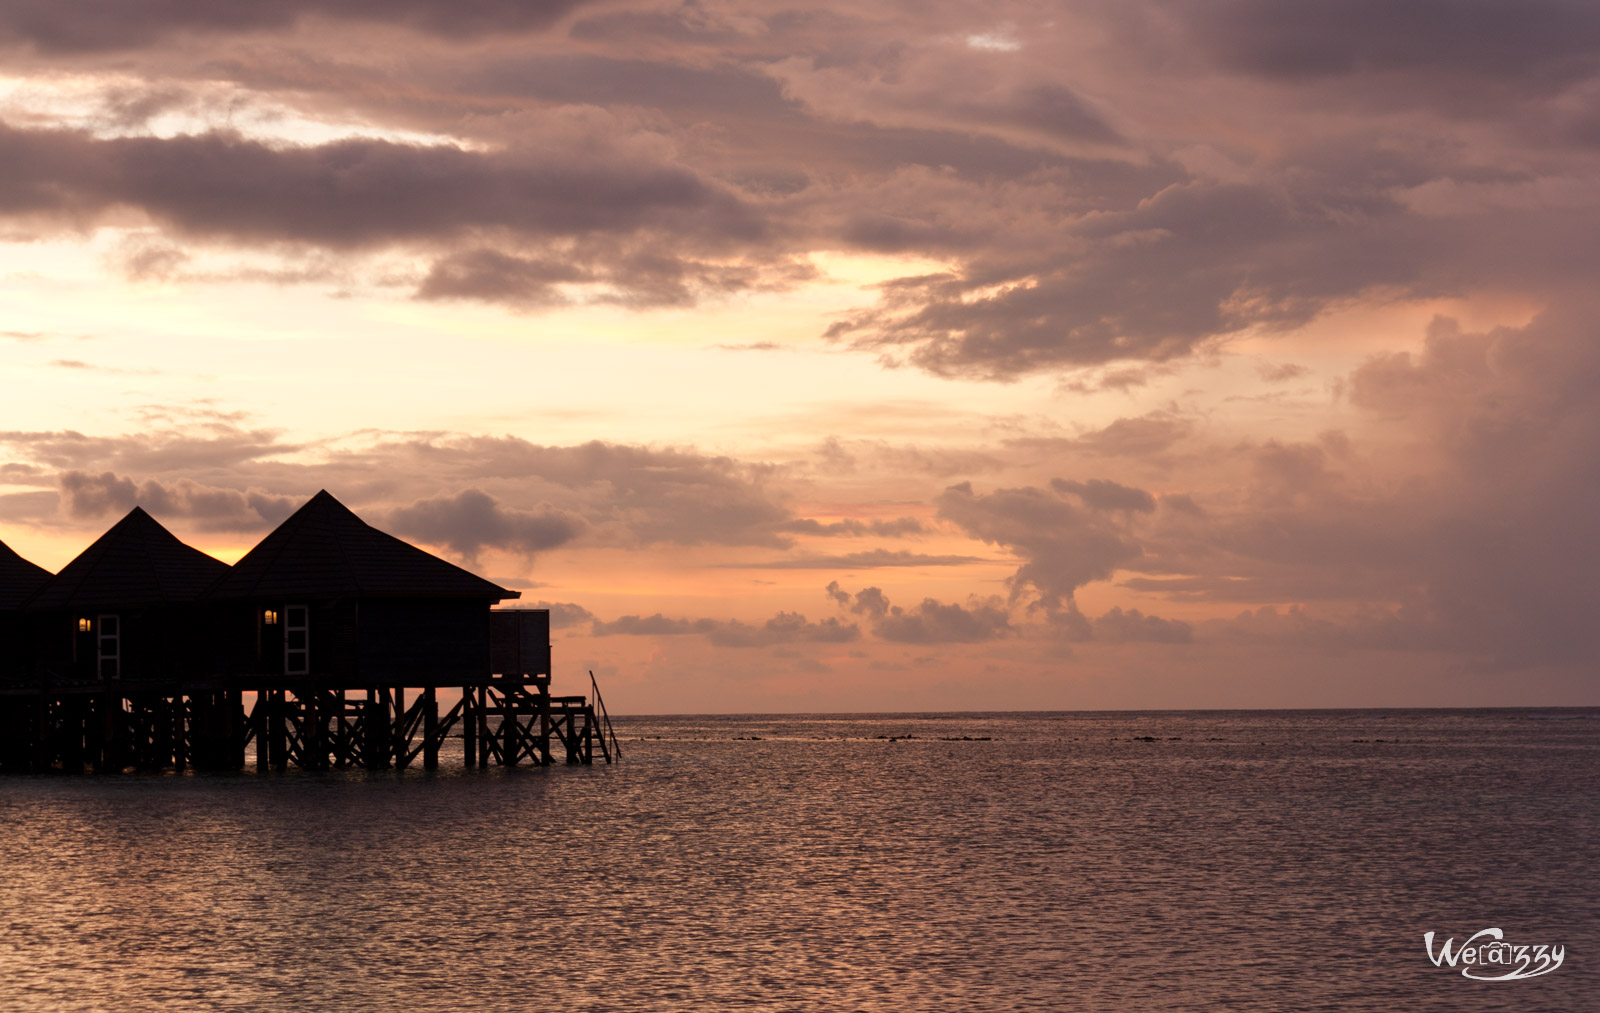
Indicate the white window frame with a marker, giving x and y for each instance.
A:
(114, 640)
(289, 629)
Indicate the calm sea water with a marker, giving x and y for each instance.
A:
(1105, 861)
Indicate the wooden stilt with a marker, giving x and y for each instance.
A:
(258, 723)
(430, 729)
(511, 745)
(277, 740)
(180, 732)
(544, 723)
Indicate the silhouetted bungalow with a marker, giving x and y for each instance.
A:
(329, 599)
(20, 580)
(124, 608)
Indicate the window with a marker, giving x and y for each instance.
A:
(110, 641)
(296, 640)
(269, 618)
(84, 625)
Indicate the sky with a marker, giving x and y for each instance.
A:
(868, 356)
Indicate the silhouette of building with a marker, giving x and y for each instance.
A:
(326, 645)
(20, 580)
(327, 597)
(125, 609)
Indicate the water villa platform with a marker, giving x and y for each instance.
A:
(329, 645)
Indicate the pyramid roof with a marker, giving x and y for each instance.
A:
(19, 579)
(138, 562)
(324, 550)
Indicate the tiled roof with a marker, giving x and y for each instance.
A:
(19, 579)
(324, 550)
(138, 562)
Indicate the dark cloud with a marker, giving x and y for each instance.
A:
(130, 24)
(472, 520)
(1227, 256)
(1063, 545)
(1480, 547)
(86, 496)
(870, 559)
(358, 191)
(491, 276)
(935, 622)
(1118, 626)
(783, 628)
(870, 602)
(1145, 437)
(1532, 45)
(728, 91)
(1100, 494)
(615, 494)
(1089, 223)
(1137, 437)
(930, 621)
(12, 473)
(1282, 372)
(214, 447)
(656, 625)
(1059, 111)
(564, 613)
(629, 495)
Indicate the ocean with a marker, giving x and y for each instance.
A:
(1246, 860)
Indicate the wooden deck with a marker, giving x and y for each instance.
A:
(117, 725)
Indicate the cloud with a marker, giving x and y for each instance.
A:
(850, 527)
(1281, 372)
(656, 625)
(1086, 220)
(214, 446)
(1540, 46)
(564, 613)
(600, 208)
(930, 621)
(1142, 436)
(472, 520)
(629, 495)
(354, 192)
(869, 559)
(131, 24)
(86, 496)
(935, 622)
(1100, 494)
(1131, 626)
(490, 276)
(783, 628)
(613, 494)
(1063, 545)
(1228, 255)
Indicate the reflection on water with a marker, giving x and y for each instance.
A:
(1072, 861)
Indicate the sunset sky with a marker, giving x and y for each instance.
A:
(846, 357)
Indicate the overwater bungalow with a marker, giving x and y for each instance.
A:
(125, 609)
(326, 645)
(20, 580)
(328, 598)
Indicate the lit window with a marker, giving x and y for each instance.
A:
(84, 626)
(269, 617)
